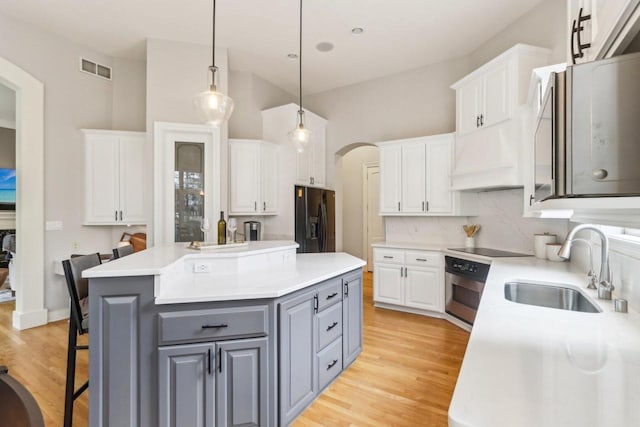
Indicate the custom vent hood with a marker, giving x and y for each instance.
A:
(492, 121)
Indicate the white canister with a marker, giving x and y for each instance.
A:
(552, 250)
(540, 242)
(470, 242)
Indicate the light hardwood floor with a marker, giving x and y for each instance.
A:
(404, 377)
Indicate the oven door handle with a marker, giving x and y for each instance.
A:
(472, 285)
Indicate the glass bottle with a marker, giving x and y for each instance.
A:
(222, 230)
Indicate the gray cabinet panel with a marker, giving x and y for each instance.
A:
(329, 293)
(242, 385)
(205, 325)
(352, 318)
(329, 363)
(119, 385)
(329, 325)
(298, 384)
(186, 380)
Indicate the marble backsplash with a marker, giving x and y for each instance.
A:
(499, 214)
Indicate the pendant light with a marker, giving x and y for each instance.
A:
(213, 107)
(300, 135)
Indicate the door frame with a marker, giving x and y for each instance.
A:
(30, 214)
(165, 135)
(365, 209)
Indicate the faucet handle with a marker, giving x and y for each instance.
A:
(592, 280)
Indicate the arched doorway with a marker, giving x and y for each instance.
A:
(358, 223)
(29, 265)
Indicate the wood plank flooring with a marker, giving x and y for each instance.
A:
(404, 377)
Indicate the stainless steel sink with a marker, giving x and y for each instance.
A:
(552, 296)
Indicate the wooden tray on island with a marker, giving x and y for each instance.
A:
(205, 246)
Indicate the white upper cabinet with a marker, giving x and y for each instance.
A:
(413, 174)
(390, 178)
(600, 28)
(310, 165)
(415, 179)
(114, 177)
(253, 177)
(488, 143)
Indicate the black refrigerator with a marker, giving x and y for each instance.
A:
(315, 219)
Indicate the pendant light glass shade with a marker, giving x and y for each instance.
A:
(300, 136)
(214, 108)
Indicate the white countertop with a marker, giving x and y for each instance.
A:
(158, 259)
(263, 269)
(534, 366)
(271, 282)
(410, 246)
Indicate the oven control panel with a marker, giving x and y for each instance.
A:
(473, 269)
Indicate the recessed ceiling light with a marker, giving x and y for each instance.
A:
(292, 56)
(324, 47)
(357, 31)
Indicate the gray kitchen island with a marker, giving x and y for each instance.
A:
(245, 336)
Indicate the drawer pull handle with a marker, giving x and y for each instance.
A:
(220, 326)
(388, 257)
(333, 295)
(421, 259)
(331, 326)
(332, 364)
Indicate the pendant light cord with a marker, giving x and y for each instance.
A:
(213, 42)
(300, 60)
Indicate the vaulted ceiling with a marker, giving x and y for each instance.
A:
(399, 34)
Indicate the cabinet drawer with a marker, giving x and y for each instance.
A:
(426, 259)
(329, 325)
(201, 325)
(329, 363)
(388, 256)
(329, 294)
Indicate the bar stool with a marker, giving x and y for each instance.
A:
(123, 251)
(78, 323)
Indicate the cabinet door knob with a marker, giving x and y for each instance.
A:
(331, 326)
(333, 295)
(531, 199)
(398, 206)
(120, 215)
(116, 212)
(477, 121)
(422, 206)
(220, 326)
(481, 119)
(255, 206)
(264, 206)
(332, 364)
(600, 173)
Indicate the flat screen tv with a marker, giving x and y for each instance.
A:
(7, 189)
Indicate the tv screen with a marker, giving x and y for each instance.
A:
(7, 189)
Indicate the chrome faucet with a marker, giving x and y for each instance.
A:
(605, 287)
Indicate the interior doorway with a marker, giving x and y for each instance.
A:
(372, 224)
(30, 218)
(8, 285)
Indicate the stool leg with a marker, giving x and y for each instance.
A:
(71, 372)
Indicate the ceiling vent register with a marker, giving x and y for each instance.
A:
(99, 70)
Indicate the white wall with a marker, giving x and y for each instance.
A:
(176, 72)
(73, 100)
(352, 202)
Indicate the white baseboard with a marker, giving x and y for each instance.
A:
(59, 314)
(30, 319)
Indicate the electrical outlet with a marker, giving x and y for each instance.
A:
(201, 267)
(76, 246)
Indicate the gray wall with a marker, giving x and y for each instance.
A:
(352, 203)
(252, 94)
(7, 148)
(129, 103)
(73, 100)
(544, 26)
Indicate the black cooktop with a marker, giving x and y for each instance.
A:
(494, 253)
